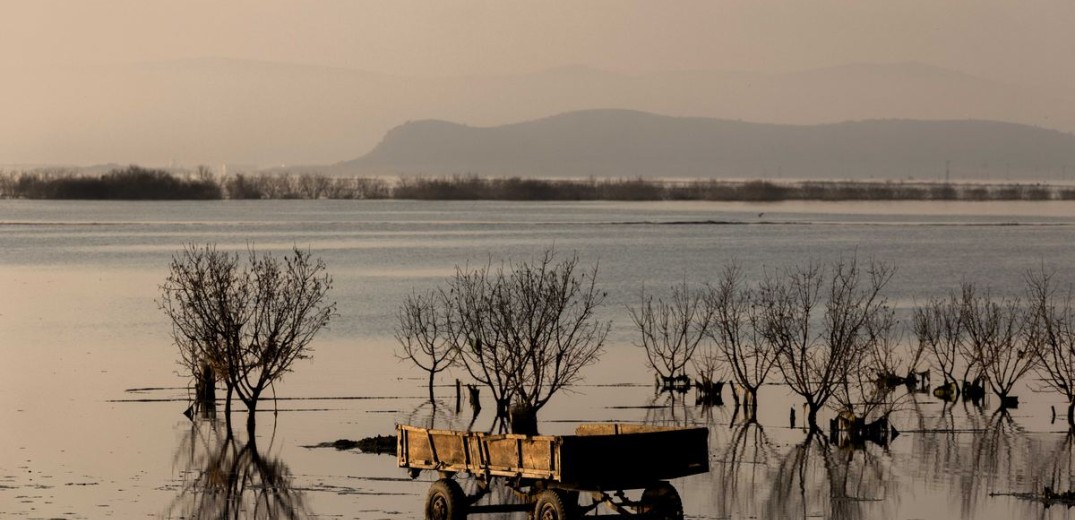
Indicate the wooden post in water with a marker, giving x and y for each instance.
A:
(205, 391)
(475, 404)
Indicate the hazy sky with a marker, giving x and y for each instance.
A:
(95, 81)
(1029, 41)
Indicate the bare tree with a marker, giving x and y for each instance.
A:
(199, 295)
(818, 347)
(708, 363)
(939, 327)
(423, 334)
(864, 391)
(527, 332)
(889, 356)
(995, 333)
(1052, 329)
(671, 330)
(479, 343)
(737, 332)
(250, 323)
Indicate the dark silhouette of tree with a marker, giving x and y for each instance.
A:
(862, 390)
(424, 334)
(671, 330)
(737, 332)
(248, 323)
(817, 320)
(938, 324)
(526, 331)
(996, 335)
(1052, 326)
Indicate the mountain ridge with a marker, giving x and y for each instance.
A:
(228, 110)
(627, 143)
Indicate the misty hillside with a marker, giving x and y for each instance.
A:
(623, 143)
(212, 111)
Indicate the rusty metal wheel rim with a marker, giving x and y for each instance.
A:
(438, 508)
(548, 512)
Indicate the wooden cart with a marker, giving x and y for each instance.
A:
(549, 472)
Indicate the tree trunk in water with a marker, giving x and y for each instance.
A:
(1071, 415)
(250, 418)
(523, 420)
(227, 409)
(811, 415)
(252, 411)
(431, 387)
(205, 388)
(751, 397)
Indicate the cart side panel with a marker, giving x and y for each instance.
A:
(451, 449)
(634, 460)
(432, 449)
(538, 456)
(413, 448)
(524, 456)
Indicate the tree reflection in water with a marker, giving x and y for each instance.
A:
(997, 459)
(1001, 458)
(816, 478)
(741, 466)
(670, 408)
(1059, 474)
(221, 477)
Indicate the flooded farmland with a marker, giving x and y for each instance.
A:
(91, 396)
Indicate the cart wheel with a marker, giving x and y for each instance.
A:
(555, 504)
(446, 501)
(662, 501)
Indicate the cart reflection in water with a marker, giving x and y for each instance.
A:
(549, 473)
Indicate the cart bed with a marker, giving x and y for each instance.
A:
(598, 457)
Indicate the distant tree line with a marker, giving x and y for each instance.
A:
(137, 183)
(472, 187)
(303, 186)
(131, 183)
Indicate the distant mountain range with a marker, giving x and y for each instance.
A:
(219, 110)
(623, 143)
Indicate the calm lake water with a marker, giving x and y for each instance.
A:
(91, 401)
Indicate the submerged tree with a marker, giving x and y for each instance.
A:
(423, 334)
(248, 323)
(671, 330)
(737, 332)
(526, 332)
(888, 356)
(939, 327)
(864, 390)
(1053, 331)
(818, 324)
(995, 333)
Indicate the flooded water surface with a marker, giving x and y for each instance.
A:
(91, 396)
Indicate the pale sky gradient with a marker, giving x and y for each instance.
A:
(87, 82)
(1026, 41)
